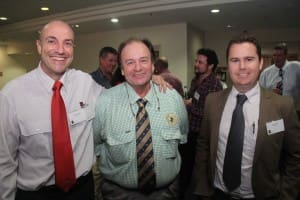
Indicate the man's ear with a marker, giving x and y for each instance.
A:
(153, 68)
(261, 63)
(38, 46)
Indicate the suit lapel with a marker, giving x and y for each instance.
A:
(218, 107)
(261, 132)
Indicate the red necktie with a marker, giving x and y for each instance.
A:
(62, 149)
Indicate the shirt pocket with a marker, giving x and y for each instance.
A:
(36, 139)
(121, 147)
(170, 139)
(81, 116)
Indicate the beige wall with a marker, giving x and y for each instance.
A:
(194, 42)
(10, 66)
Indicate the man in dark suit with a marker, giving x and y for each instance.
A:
(268, 162)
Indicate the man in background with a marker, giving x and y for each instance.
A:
(203, 83)
(283, 77)
(162, 68)
(108, 58)
(138, 138)
(249, 143)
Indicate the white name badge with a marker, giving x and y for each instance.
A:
(196, 96)
(77, 116)
(275, 126)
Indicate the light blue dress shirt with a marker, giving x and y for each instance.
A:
(115, 136)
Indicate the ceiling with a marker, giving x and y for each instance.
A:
(24, 19)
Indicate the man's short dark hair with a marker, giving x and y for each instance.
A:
(106, 50)
(282, 46)
(146, 42)
(242, 39)
(162, 63)
(211, 56)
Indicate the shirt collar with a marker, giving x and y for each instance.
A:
(251, 94)
(133, 96)
(48, 82)
(284, 65)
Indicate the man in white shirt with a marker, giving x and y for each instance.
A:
(283, 77)
(27, 160)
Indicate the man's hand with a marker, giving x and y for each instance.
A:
(163, 85)
(188, 102)
(276, 90)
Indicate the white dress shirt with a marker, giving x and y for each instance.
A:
(251, 115)
(25, 124)
(291, 80)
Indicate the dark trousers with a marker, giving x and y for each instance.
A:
(187, 152)
(220, 195)
(82, 190)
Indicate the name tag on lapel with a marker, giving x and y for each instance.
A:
(275, 127)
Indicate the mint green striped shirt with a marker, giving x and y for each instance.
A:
(115, 137)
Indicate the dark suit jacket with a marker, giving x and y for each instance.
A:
(276, 163)
(99, 77)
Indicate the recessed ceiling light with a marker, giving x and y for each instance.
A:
(44, 8)
(3, 18)
(229, 26)
(215, 11)
(114, 20)
(76, 25)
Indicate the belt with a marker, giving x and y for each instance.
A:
(54, 188)
(219, 194)
(79, 181)
(139, 190)
(54, 191)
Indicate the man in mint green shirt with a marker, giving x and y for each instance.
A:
(115, 129)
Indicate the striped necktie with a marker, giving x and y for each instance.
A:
(280, 83)
(144, 149)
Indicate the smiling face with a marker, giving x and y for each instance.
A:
(137, 66)
(244, 66)
(56, 47)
